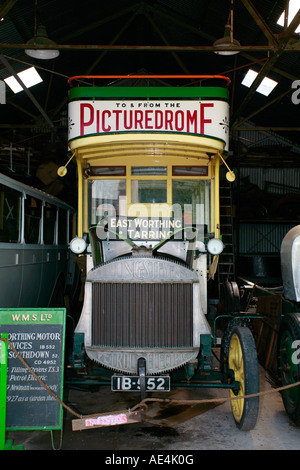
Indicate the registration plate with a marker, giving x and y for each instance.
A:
(128, 383)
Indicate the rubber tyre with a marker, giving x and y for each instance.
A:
(234, 322)
(289, 364)
(242, 359)
(230, 298)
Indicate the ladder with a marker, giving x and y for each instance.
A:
(226, 269)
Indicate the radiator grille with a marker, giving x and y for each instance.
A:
(142, 315)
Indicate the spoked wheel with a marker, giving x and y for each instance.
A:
(289, 363)
(242, 360)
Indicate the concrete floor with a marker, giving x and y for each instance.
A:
(170, 427)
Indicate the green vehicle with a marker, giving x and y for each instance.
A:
(36, 267)
(289, 332)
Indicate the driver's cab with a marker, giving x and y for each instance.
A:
(148, 204)
(152, 190)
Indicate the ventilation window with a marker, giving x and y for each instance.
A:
(149, 170)
(190, 170)
(107, 171)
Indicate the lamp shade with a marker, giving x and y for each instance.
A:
(41, 39)
(225, 42)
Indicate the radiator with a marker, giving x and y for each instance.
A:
(142, 315)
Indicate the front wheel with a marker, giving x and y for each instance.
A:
(289, 363)
(242, 360)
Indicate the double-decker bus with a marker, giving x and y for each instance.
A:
(148, 160)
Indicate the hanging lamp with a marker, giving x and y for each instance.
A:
(227, 40)
(41, 39)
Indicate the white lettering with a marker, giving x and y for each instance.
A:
(115, 460)
(295, 95)
(296, 354)
(109, 420)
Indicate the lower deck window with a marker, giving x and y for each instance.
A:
(33, 214)
(148, 192)
(187, 195)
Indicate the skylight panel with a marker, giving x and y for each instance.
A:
(249, 78)
(293, 9)
(265, 87)
(29, 77)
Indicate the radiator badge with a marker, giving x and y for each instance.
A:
(156, 361)
(141, 269)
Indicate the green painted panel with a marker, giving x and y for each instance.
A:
(97, 93)
(38, 336)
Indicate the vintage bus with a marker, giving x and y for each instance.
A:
(148, 160)
(36, 266)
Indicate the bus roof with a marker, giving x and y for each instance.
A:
(32, 191)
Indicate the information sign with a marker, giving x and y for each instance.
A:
(38, 335)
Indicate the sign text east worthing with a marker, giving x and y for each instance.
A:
(203, 118)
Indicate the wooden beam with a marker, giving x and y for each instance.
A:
(267, 128)
(4, 9)
(174, 54)
(268, 66)
(260, 22)
(150, 48)
(262, 108)
(28, 93)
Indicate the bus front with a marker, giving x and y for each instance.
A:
(148, 224)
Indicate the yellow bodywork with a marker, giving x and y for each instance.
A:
(147, 150)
